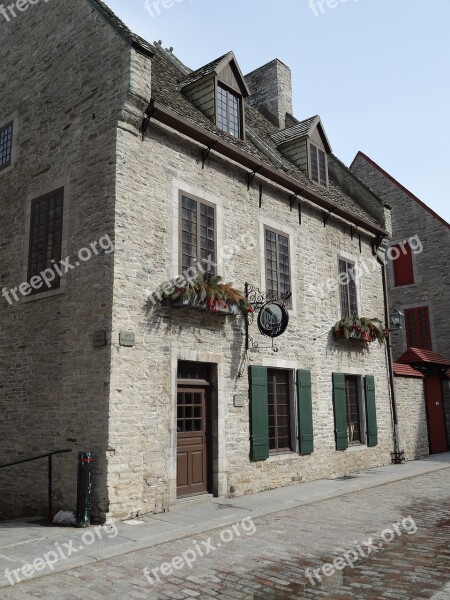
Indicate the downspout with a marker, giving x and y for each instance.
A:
(397, 455)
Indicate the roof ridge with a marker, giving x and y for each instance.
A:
(400, 186)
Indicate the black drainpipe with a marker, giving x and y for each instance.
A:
(397, 455)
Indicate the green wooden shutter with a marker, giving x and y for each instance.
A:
(340, 411)
(305, 417)
(371, 412)
(259, 413)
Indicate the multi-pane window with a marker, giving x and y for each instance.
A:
(228, 111)
(349, 304)
(418, 331)
(198, 234)
(6, 140)
(279, 410)
(278, 276)
(46, 234)
(353, 409)
(318, 160)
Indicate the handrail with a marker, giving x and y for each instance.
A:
(49, 455)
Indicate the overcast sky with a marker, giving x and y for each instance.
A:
(376, 71)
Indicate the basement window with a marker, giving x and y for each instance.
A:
(229, 110)
(318, 165)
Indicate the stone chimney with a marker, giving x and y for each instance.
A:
(271, 91)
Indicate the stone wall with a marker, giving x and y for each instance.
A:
(412, 416)
(64, 75)
(431, 287)
(142, 442)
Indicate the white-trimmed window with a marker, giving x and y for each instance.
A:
(277, 263)
(347, 285)
(198, 238)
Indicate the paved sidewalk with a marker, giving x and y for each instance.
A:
(22, 542)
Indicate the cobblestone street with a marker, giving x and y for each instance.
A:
(267, 560)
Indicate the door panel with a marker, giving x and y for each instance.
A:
(435, 414)
(192, 455)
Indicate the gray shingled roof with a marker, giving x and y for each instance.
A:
(165, 89)
(293, 133)
(166, 77)
(203, 71)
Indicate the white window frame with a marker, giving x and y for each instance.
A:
(183, 187)
(265, 223)
(354, 372)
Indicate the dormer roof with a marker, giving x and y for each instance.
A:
(217, 68)
(303, 129)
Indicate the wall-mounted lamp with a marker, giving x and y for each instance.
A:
(397, 320)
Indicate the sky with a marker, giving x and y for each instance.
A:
(376, 71)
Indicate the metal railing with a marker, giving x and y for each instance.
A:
(49, 455)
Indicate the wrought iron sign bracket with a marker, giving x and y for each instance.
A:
(292, 200)
(258, 300)
(260, 195)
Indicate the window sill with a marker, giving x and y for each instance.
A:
(357, 448)
(42, 295)
(282, 456)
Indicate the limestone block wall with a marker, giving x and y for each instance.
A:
(66, 87)
(142, 436)
(412, 416)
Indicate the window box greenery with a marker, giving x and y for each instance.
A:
(360, 328)
(205, 292)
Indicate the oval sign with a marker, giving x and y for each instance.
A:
(273, 320)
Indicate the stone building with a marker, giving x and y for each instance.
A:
(115, 154)
(419, 287)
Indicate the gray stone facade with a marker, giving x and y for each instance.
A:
(411, 218)
(79, 104)
(410, 396)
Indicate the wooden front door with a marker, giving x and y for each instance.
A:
(435, 414)
(192, 447)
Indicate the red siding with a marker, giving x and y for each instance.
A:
(418, 331)
(403, 265)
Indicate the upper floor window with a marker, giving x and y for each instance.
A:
(198, 234)
(318, 160)
(46, 235)
(278, 276)
(349, 303)
(403, 265)
(228, 111)
(418, 330)
(6, 143)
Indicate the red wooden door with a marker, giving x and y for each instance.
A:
(436, 414)
(192, 458)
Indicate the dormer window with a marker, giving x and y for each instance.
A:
(307, 146)
(318, 165)
(218, 90)
(228, 111)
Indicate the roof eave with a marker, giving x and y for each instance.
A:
(168, 117)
